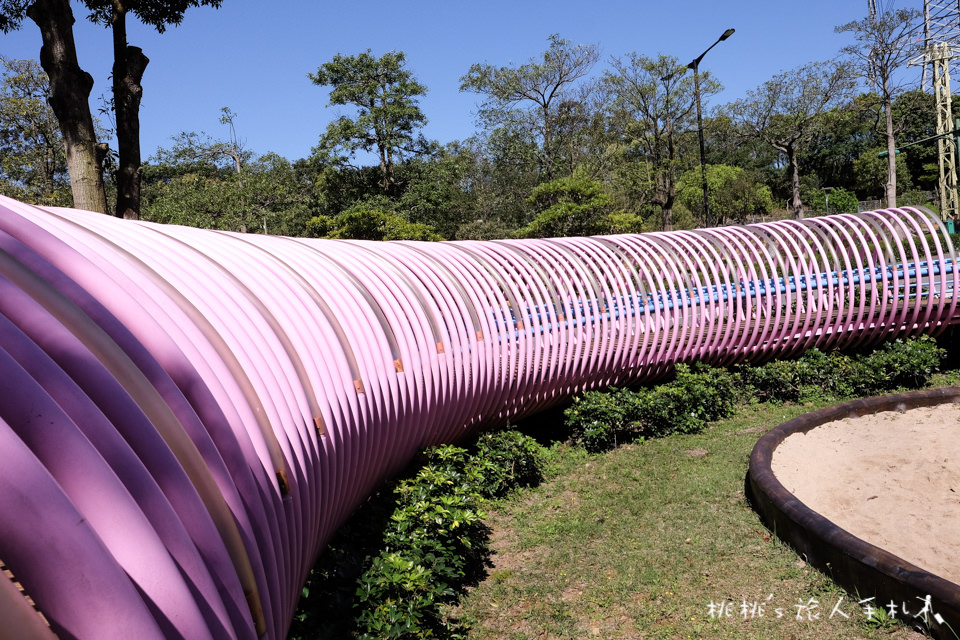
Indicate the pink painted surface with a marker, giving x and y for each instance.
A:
(187, 416)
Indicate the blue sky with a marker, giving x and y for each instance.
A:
(256, 62)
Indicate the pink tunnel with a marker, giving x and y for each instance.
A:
(187, 416)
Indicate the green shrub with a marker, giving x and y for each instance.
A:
(775, 381)
(506, 460)
(699, 394)
(902, 363)
(662, 411)
(435, 542)
(397, 598)
(599, 420)
(433, 546)
(438, 520)
(708, 393)
(812, 374)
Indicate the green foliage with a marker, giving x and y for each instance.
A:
(388, 117)
(623, 222)
(435, 542)
(158, 14)
(914, 116)
(415, 548)
(535, 98)
(916, 198)
(12, 13)
(708, 393)
(265, 197)
(734, 194)
(894, 365)
(33, 165)
(398, 600)
(373, 219)
(499, 174)
(193, 152)
(652, 106)
(575, 206)
(432, 191)
(789, 110)
(870, 173)
(483, 230)
(789, 380)
(507, 460)
(438, 522)
(698, 394)
(840, 200)
(902, 363)
(601, 420)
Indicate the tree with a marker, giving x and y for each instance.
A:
(388, 116)
(575, 206)
(534, 95)
(914, 117)
(433, 194)
(33, 166)
(884, 44)
(129, 64)
(871, 173)
(499, 174)
(656, 100)
(70, 88)
(786, 112)
(373, 219)
(69, 94)
(846, 132)
(734, 194)
(266, 197)
(834, 201)
(192, 151)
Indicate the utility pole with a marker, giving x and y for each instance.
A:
(941, 40)
(940, 60)
(941, 23)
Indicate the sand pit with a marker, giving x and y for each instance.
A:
(891, 479)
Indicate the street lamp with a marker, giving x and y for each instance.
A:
(695, 65)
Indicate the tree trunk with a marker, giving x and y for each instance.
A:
(70, 100)
(670, 179)
(668, 216)
(547, 142)
(129, 63)
(891, 156)
(664, 195)
(796, 205)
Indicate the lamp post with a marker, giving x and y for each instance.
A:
(695, 65)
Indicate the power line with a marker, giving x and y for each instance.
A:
(941, 25)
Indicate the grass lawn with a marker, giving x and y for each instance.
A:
(656, 540)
